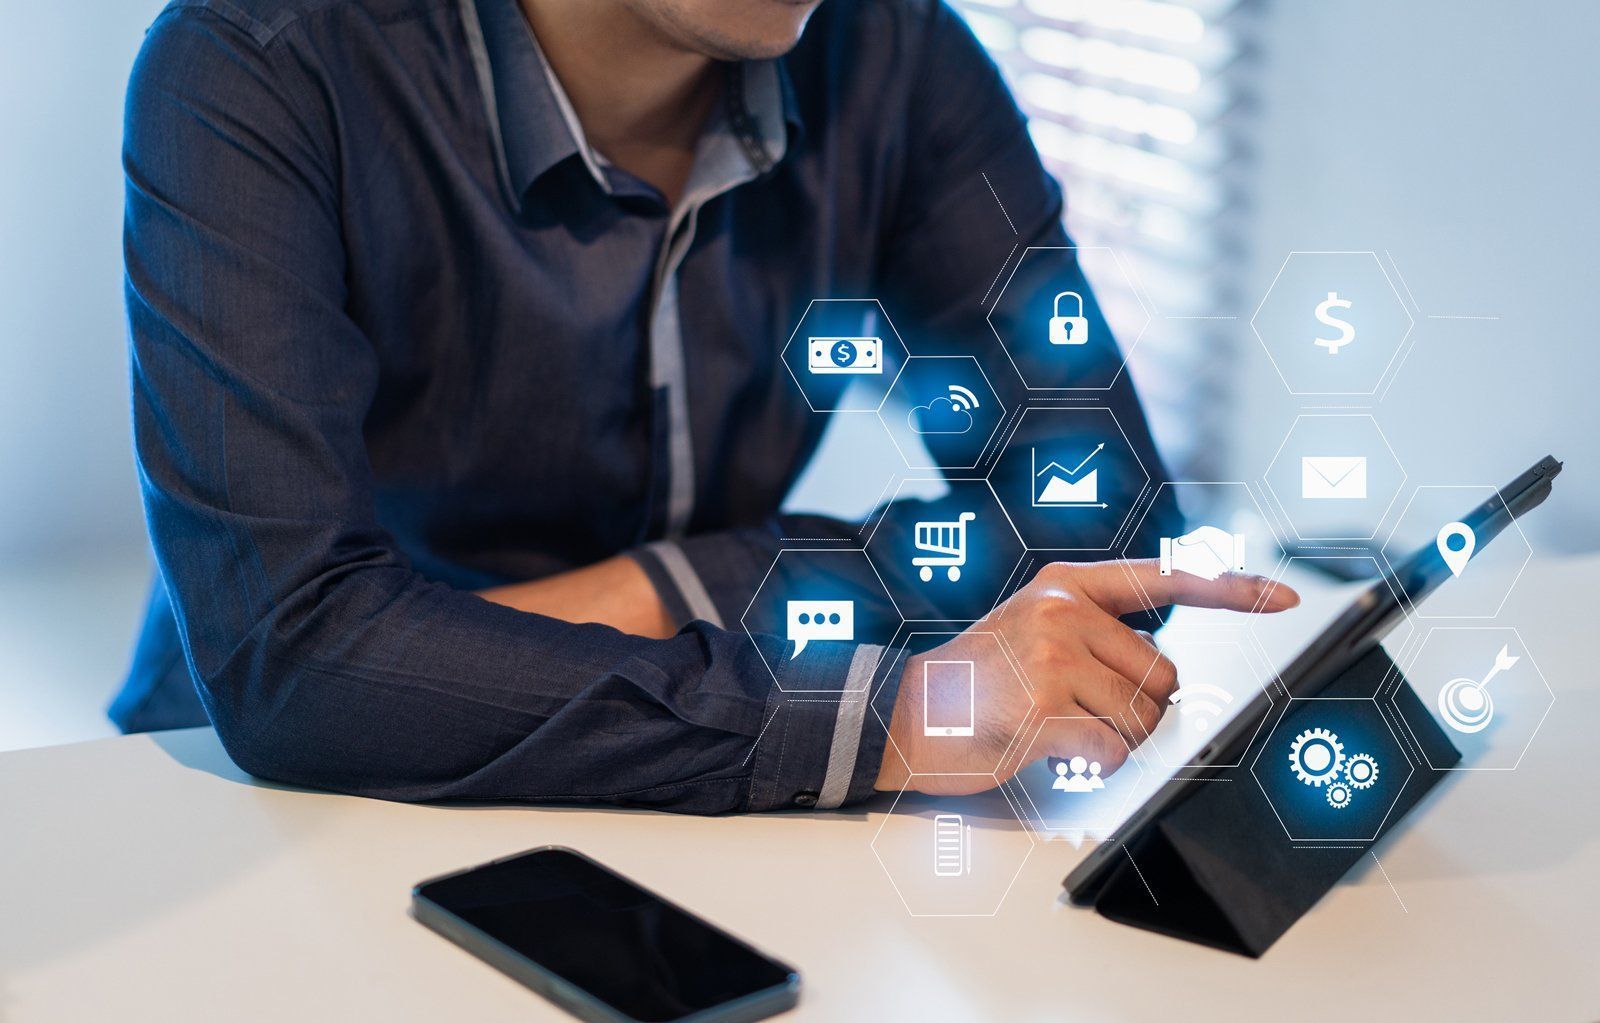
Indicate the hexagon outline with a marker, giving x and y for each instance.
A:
(1144, 513)
(888, 814)
(899, 646)
(1005, 444)
(1411, 768)
(1527, 547)
(1003, 594)
(1245, 642)
(1538, 672)
(1025, 760)
(783, 353)
(1266, 476)
(1411, 324)
(1134, 288)
(762, 585)
(978, 458)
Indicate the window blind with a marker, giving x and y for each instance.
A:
(1139, 108)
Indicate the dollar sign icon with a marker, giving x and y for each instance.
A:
(1347, 333)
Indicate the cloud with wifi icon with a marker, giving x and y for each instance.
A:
(945, 414)
(1201, 704)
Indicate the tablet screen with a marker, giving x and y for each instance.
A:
(1354, 627)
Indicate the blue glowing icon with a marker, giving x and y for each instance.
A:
(944, 545)
(1317, 758)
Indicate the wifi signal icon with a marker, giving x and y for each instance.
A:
(1201, 704)
(963, 398)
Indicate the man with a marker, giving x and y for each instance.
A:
(430, 297)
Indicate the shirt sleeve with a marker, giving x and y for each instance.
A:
(321, 656)
(713, 576)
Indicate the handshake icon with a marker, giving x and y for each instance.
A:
(1206, 552)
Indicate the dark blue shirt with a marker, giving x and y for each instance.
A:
(399, 333)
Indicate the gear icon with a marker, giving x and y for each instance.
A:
(1317, 756)
(1361, 771)
(1338, 795)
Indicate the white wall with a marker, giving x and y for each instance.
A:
(1460, 136)
(67, 484)
(73, 562)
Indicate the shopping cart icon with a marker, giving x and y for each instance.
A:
(946, 544)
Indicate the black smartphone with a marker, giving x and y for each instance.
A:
(600, 946)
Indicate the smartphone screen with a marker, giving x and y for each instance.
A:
(571, 918)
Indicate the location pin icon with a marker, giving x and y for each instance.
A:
(1456, 541)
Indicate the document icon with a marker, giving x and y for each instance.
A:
(1333, 477)
(950, 846)
(1056, 486)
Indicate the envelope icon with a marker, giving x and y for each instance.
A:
(1333, 477)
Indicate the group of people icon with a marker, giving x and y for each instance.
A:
(1078, 781)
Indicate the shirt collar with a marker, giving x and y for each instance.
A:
(535, 126)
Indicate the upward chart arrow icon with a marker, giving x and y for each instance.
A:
(1097, 449)
(1065, 489)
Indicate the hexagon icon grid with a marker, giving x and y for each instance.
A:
(1332, 769)
(946, 559)
(951, 855)
(950, 691)
(1335, 476)
(817, 600)
(942, 412)
(1259, 553)
(1483, 688)
(1221, 669)
(844, 354)
(1072, 486)
(1050, 325)
(1486, 578)
(1075, 795)
(1332, 323)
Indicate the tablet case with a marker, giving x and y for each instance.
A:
(1219, 868)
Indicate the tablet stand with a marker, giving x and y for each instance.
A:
(1219, 868)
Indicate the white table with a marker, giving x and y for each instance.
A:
(146, 877)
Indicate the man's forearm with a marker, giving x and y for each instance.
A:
(614, 592)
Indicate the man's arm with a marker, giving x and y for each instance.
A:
(321, 657)
(615, 592)
(710, 577)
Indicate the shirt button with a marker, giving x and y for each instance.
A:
(805, 799)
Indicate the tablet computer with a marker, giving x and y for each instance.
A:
(1351, 635)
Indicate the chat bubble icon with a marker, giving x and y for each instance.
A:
(820, 619)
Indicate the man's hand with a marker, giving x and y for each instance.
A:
(1080, 661)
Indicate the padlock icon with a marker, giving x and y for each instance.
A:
(1069, 330)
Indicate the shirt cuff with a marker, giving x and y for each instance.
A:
(823, 750)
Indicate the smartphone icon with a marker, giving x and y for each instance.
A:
(949, 698)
